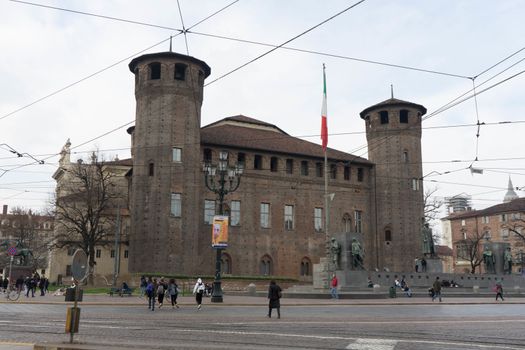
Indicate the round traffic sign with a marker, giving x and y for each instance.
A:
(11, 251)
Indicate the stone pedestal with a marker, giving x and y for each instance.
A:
(18, 271)
(321, 274)
(434, 265)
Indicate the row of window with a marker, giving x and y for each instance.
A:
(16, 224)
(266, 265)
(289, 164)
(502, 218)
(179, 73)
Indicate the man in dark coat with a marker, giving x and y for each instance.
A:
(274, 294)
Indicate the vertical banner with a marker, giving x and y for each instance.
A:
(219, 234)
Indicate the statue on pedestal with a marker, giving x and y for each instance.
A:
(357, 255)
(489, 260)
(428, 241)
(335, 252)
(507, 261)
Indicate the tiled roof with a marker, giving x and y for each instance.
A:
(122, 162)
(443, 250)
(517, 205)
(260, 136)
(393, 102)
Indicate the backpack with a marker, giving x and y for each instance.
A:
(160, 289)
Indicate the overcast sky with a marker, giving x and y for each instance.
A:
(45, 50)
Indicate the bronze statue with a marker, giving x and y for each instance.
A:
(489, 260)
(335, 252)
(428, 241)
(357, 254)
(22, 252)
(507, 261)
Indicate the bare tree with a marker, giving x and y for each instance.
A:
(432, 205)
(517, 225)
(84, 217)
(470, 249)
(27, 229)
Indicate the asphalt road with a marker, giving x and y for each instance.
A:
(305, 325)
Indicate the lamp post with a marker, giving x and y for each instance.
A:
(221, 180)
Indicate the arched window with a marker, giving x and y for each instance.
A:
(306, 266)
(151, 169)
(347, 222)
(180, 71)
(154, 70)
(226, 264)
(266, 266)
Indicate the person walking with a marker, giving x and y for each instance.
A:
(198, 291)
(274, 296)
(423, 265)
(150, 292)
(333, 287)
(173, 292)
(499, 291)
(143, 285)
(437, 289)
(42, 285)
(161, 289)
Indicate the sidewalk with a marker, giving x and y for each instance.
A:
(289, 299)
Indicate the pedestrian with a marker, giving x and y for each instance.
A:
(42, 285)
(143, 285)
(499, 291)
(437, 289)
(416, 263)
(46, 286)
(274, 295)
(30, 285)
(423, 265)
(198, 290)
(150, 292)
(160, 292)
(333, 287)
(173, 293)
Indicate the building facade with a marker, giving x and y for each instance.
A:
(277, 214)
(502, 223)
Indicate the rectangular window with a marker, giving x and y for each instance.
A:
(289, 166)
(71, 251)
(484, 219)
(68, 270)
(463, 222)
(257, 162)
(304, 168)
(97, 253)
(358, 216)
(333, 171)
(265, 215)
(405, 157)
(206, 155)
(288, 217)
(177, 154)
(209, 211)
(319, 169)
(274, 164)
(235, 213)
(318, 219)
(176, 205)
(241, 158)
(487, 235)
(415, 184)
(383, 115)
(347, 173)
(360, 174)
(505, 233)
(503, 218)
(112, 253)
(403, 116)
(126, 254)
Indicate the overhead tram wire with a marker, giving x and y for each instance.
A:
(184, 31)
(112, 65)
(284, 43)
(326, 54)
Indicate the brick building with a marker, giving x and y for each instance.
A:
(277, 213)
(495, 224)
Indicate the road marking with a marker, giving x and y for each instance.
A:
(378, 322)
(372, 344)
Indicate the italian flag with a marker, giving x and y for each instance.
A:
(324, 126)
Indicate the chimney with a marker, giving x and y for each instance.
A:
(4, 210)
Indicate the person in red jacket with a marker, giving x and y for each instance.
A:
(333, 287)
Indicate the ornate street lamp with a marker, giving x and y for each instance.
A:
(221, 180)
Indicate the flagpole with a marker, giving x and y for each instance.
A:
(324, 137)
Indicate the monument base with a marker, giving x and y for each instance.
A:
(321, 275)
(18, 272)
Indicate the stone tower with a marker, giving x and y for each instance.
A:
(393, 132)
(166, 179)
